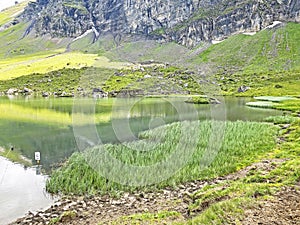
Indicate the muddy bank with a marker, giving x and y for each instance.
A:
(283, 208)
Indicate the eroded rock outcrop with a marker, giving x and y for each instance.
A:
(187, 22)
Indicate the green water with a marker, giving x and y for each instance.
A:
(46, 125)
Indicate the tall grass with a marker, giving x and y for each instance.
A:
(244, 142)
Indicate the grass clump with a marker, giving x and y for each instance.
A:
(198, 100)
(242, 145)
(286, 119)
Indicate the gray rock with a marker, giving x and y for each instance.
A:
(180, 20)
(243, 88)
(45, 94)
(99, 93)
(12, 91)
(27, 91)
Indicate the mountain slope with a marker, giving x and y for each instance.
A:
(272, 49)
(186, 22)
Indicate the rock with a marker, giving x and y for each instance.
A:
(12, 91)
(214, 101)
(27, 91)
(243, 88)
(99, 93)
(147, 76)
(56, 18)
(45, 94)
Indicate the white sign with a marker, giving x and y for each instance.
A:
(37, 156)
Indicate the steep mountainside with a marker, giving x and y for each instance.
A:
(188, 22)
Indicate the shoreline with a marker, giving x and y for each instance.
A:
(106, 209)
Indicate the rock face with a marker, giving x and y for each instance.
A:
(188, 22)
(228, 17)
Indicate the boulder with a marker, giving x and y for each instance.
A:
(99, 93)
(27, 91)
(45, 94)
(243, 88)
(12, 91)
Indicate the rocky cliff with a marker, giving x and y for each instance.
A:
(229, 17)
(185, 21)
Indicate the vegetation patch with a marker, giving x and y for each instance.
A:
(8, 14)
(238, 150)
(15, 156)
(46, 64)
(290, 105)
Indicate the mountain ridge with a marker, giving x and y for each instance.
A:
(186, 22)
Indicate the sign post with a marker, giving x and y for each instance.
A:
(37, 157)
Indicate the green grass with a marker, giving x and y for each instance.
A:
(267, 62)
(44, 64)
(225, 203)
(238, 149)
(268, 50)
(198, 100)
(272, 102)
(8, 14)
(15, 156)
(286, 119)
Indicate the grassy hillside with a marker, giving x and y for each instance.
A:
(7, 15)
(268, 62)
(274, 49)
(43, 63)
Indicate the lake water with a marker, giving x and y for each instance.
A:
(21, 190)
(50, 126)
(46, 125)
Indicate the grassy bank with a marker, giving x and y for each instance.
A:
(148, 81)
(226, 203)
(238, 150)
(281, 103)
(217, 203)
(15, 156)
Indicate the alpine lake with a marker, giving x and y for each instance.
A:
(52, 126)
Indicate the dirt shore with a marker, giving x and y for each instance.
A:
(283, 208)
